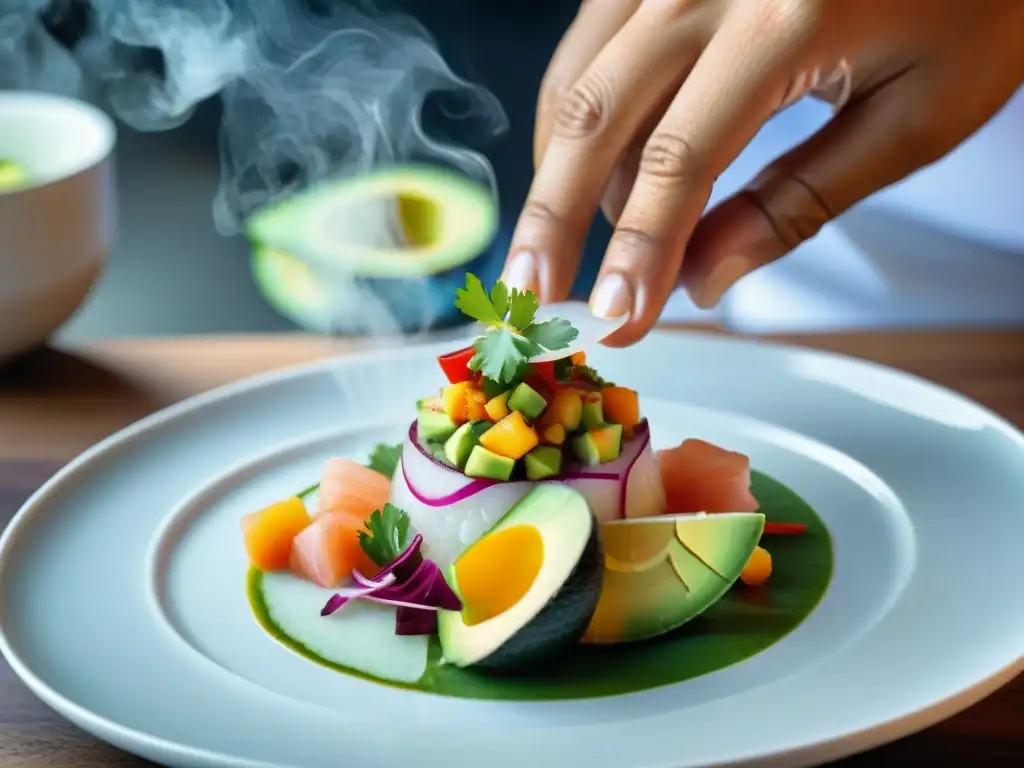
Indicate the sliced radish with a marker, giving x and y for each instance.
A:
(592, 329)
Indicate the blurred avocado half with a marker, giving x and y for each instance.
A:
(404, 235)
(12, 176)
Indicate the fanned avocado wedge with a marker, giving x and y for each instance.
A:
(663, 571)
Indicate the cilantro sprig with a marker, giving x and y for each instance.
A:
(511, 336)
(385, 536)
(384, 458)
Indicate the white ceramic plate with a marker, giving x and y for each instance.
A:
(122, 579)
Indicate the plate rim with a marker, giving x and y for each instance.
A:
(804, 753)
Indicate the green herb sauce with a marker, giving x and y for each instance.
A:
(743, 623)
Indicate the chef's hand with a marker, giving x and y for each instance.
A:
(646, 102)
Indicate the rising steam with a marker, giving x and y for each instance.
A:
(309, 92)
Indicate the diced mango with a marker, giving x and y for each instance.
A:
(554, 435)
(497, 407)
(565, 408)
(454, 398)
(578, 358)
(476, 402)
(621, 406)
(270, 532)
(758, 568)
(511, 437)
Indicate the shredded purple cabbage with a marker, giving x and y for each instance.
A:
(413, 582)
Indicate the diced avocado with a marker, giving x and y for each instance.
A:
(608, 440)
(479, 427)
(434, 426)
(546, 555)
(663, 571)
(586, 450)
(593, 411)
(489, 465)
(12, 176)
(542, 462)
(599, 445)
(458, 447)
(527, 401)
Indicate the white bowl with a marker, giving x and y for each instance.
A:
(55, 233)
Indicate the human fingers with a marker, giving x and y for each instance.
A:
(906, 124)
(624, 176)
(593, 124)
(595, 24)
(736, 85)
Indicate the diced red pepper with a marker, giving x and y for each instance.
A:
(546, 371)
(539, 385)
(456, 365)
(784, 528)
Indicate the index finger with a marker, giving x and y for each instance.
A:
(736, 85)
(593, 125)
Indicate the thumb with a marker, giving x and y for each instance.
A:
(869, 145)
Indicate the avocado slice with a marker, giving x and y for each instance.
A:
(663, 571)
(488, 465)
(529, 586)
(543, 462)
(434, 426)
(409, 221)
(527, 401)
(360, 638)
(12, 176)
(460, 445)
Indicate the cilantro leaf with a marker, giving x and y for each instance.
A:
(499, 299)
(385, 536)
(384, 458)
(474, 302)
(522, 308)
(551, 334)
(500, 355)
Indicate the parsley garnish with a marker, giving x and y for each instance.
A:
(511, 337)
(384, 458)
(384, 538)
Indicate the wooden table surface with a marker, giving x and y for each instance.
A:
(56, 402)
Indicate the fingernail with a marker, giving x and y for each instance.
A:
(707, 292)
(613, 297)
(521, 272)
